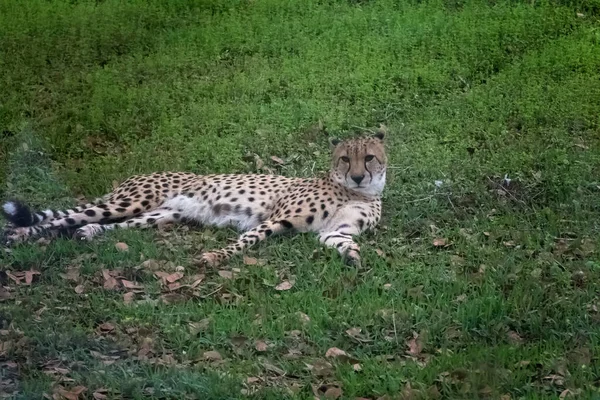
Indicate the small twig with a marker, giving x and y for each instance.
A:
(419, 200)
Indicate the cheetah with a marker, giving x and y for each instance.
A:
(337, 206)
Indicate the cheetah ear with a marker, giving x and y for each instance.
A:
(333, 142)
(379, 135)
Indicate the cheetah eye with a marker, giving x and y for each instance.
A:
(369, 158)
(345, 159)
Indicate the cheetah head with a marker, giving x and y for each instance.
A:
(360, 164)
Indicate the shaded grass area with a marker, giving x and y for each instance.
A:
(497, 101)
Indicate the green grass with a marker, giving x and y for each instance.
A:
(470, 91)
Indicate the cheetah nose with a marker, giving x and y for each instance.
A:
(357, 178)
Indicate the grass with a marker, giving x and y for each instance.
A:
(505, 306)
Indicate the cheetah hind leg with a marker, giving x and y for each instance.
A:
(247, 239)
(150, 219)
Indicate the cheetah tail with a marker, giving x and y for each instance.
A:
(20, 215)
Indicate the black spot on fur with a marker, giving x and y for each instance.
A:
(70, 221)
(361, 223)
(310, 219)
(106, 214)
(286, 224)
(268, 232)
(90, 213)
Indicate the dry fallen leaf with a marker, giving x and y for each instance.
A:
(340, 355)
(333, 393)
(128, 297)
(72, 394)
(174, 277)
(440, 242)
(106, 327)
(250, 260)
(100, 394)
(514, 337)
(225, 274)
(121, 246)
(212, 356)
(131, 285)
(285, 285)
(196, 327)
(277, 160)
(415, 345)
(260, 345)
(110, 283)
(79, 289)
(303, 317)
(29, 276)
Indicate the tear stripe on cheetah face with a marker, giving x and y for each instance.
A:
(360, 164)
(337, 207)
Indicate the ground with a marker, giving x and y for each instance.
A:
(482, 280)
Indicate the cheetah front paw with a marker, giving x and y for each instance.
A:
(87, 232)
(212, 259)
(352, 258)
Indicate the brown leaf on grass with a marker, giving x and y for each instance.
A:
(122, 246)
(356, 334)
(128, 297)
(380, 253)
(14, 277)
(225, 274)
(79, 289)
(196, 327)
(335, 352)
(110, 283)
(259, 162)
(273, 369)
(277, 160)
(106, 327)
(174, 286)
(29, 276)
(212, 356)
(333, 393)
(250, 260)
(303, 317)
(514, 337)
(285, 285)
(238, 340)
(100, 394)
(415, 345)
(259, 345)
(440, 242)
(72, 274)
(69, 394)
(172, 298)
(174, 277)
(340, 355)
(4, 294)
(131, 285)
(196, 280)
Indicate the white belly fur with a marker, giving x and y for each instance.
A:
(192, 208)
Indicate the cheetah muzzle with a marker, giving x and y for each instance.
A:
(337, 207)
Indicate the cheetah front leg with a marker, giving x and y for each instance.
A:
(347, 222)
(249, 238)
(341, 239)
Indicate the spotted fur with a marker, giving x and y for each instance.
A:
(336, 207)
